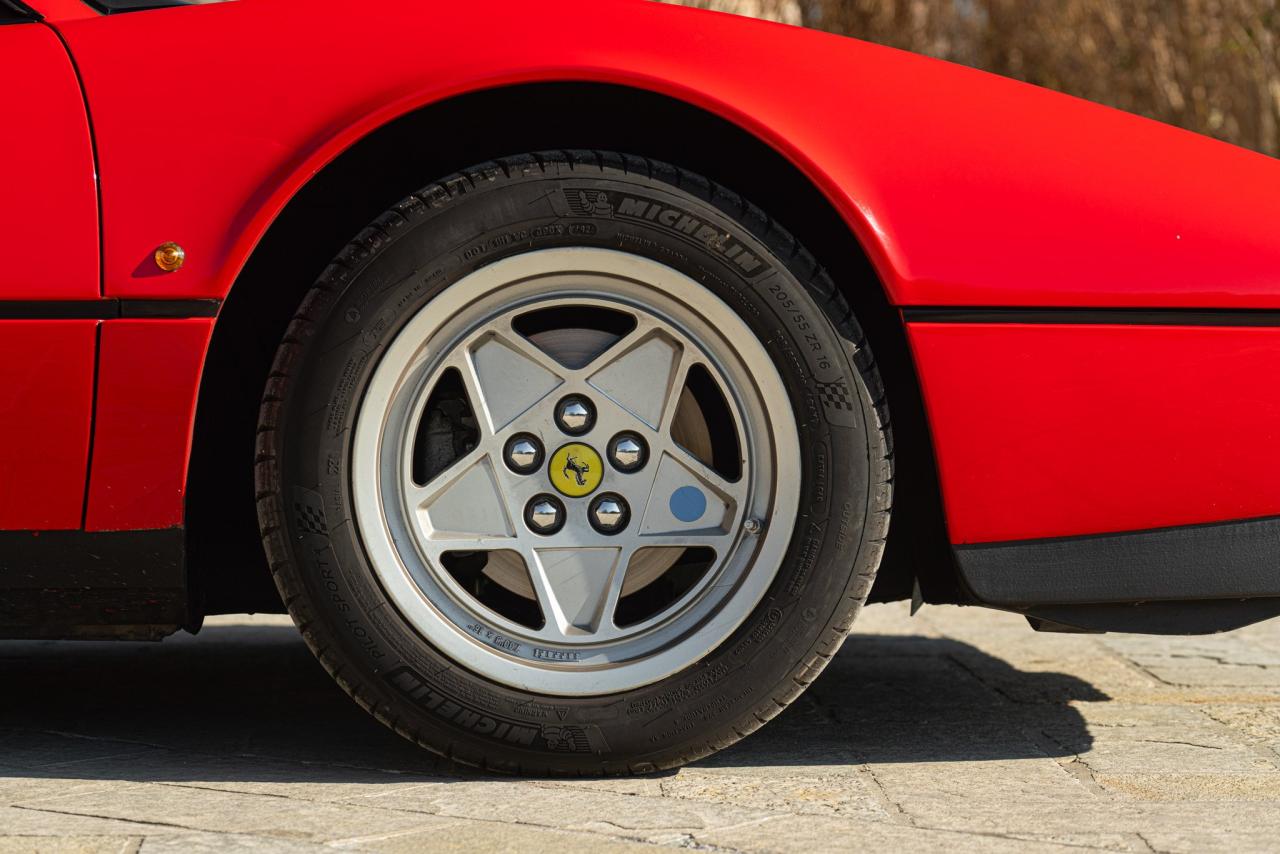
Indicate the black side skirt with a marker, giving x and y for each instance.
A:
(1185, 580)
(80, 584)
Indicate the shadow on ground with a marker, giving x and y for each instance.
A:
(249, 703)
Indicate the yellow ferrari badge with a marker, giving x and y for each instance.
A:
(576, 469)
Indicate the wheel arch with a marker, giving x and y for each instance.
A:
(378, 169)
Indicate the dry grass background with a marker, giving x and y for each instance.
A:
(1212, 66)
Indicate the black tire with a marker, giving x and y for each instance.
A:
(393, 268)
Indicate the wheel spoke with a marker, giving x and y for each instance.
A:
(507, 376)
(578, 589)
(465, 502)
(642, 373)
(689, 498)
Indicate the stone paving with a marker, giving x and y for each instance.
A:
(955, 730)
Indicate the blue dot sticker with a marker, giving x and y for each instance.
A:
(688, 504)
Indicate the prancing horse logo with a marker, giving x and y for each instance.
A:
(575, 469)
(579, 469)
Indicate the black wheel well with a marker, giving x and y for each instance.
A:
(227, 563)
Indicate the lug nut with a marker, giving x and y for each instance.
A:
(523, 453)
(608, 513)
(575, 415)
(628, 452)
(544, 514)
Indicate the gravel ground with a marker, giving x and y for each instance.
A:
(955, 730)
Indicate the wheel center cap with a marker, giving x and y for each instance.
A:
(575, 469)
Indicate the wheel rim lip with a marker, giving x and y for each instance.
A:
(386, 550)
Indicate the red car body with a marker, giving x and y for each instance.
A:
(1088, 302)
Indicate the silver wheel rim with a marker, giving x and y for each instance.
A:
(578, 574)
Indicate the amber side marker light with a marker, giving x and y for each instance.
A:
(169, 257)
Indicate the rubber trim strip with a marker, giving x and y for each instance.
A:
(23, 14)
(1113, 316)
(108, 309)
